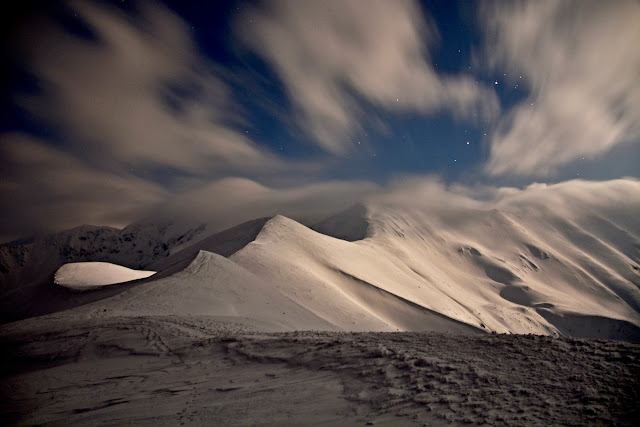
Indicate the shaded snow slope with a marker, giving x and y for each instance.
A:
(308, 268)
(349, 225)
(31, 265)
(224, 243)
(91, 275)
(215, 287)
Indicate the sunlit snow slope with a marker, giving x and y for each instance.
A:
(215, 287)
(541, 261)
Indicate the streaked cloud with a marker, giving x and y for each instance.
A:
(136, 101)
(138, 92)
(229, 201)
(332, 54)
(582, 64)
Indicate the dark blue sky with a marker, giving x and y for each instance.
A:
(174, 97)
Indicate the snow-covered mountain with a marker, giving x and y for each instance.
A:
(27, 266)
(546, 260)
(506, 271)
(135, 246)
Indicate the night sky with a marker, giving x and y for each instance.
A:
(113, 111)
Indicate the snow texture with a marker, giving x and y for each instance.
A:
(197, 370)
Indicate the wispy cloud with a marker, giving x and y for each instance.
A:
(332, 54)
(582, 64)
(229, 201)
(138, 93)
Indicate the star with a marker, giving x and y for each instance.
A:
(467, 142)
(495, 83)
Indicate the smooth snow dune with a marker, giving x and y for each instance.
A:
(216, 287)
(91, 275)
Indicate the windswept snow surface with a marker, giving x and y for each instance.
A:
(91, 275)
(159, 370)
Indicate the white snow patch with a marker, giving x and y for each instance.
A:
(89, 275)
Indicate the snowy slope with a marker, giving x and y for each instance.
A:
(527, 267)
(91, 275)
(224, 243)
(306, 266)
(350, 225)
(215, 287)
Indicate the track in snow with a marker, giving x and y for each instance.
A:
(197, 370)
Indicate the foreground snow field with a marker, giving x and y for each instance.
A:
(196, 370)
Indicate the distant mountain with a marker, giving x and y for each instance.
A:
(30, 265)
(27, 266)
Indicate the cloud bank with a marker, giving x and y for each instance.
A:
(43, 188)
(331, 54)
(581, 61)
